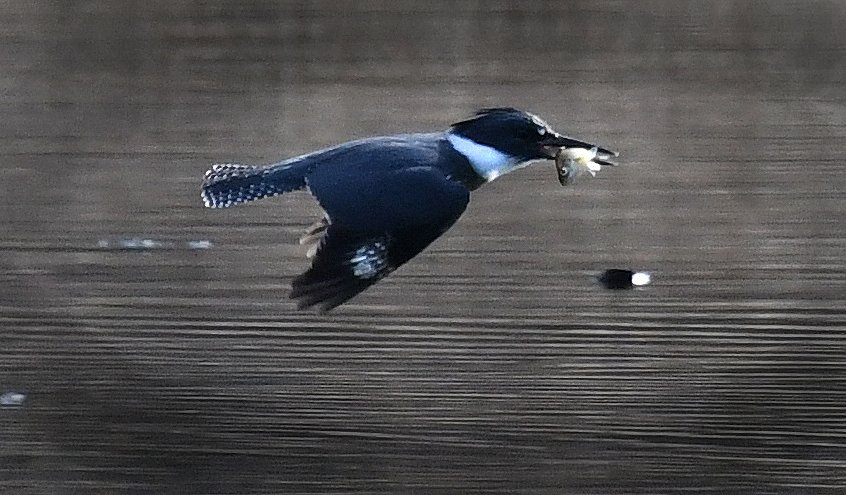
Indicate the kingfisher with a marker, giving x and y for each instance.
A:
(386, 198)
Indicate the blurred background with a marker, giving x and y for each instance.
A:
(147, 344)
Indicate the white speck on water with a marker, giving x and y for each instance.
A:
(200, 244)
(12, 399)
(641, 278)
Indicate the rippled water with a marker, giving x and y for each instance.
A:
(490, 364)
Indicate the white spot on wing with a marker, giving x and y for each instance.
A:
(369, 261)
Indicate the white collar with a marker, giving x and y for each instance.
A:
(487, 161)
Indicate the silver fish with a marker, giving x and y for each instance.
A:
(571, 163)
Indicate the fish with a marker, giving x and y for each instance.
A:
(570, 163)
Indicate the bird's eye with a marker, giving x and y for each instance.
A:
(541, 131)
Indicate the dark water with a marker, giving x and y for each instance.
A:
(490, 364)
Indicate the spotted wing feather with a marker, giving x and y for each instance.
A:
(379, 221)
(345, 265)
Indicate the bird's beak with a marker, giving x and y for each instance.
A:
(553, 142)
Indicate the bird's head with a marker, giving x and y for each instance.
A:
(499, 140)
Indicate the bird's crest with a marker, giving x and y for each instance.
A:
(484, 112)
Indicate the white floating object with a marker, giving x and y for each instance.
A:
(200, 244)
(617, 278)
(12, 399)
(641, 278)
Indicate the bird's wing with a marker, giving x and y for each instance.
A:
(377, 220)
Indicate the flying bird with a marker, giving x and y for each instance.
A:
(386, 198)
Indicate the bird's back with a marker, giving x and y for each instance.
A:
(231, 184)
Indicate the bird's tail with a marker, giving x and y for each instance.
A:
(229, 184)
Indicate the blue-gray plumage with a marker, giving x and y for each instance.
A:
(387, 198)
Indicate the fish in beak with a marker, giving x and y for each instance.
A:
(570, 163)
(554, 142)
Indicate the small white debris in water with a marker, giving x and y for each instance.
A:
(12, 399)
(201, 244)
(133, 243)
(140, 244)
(641, 278)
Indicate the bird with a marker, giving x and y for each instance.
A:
(386, 198)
